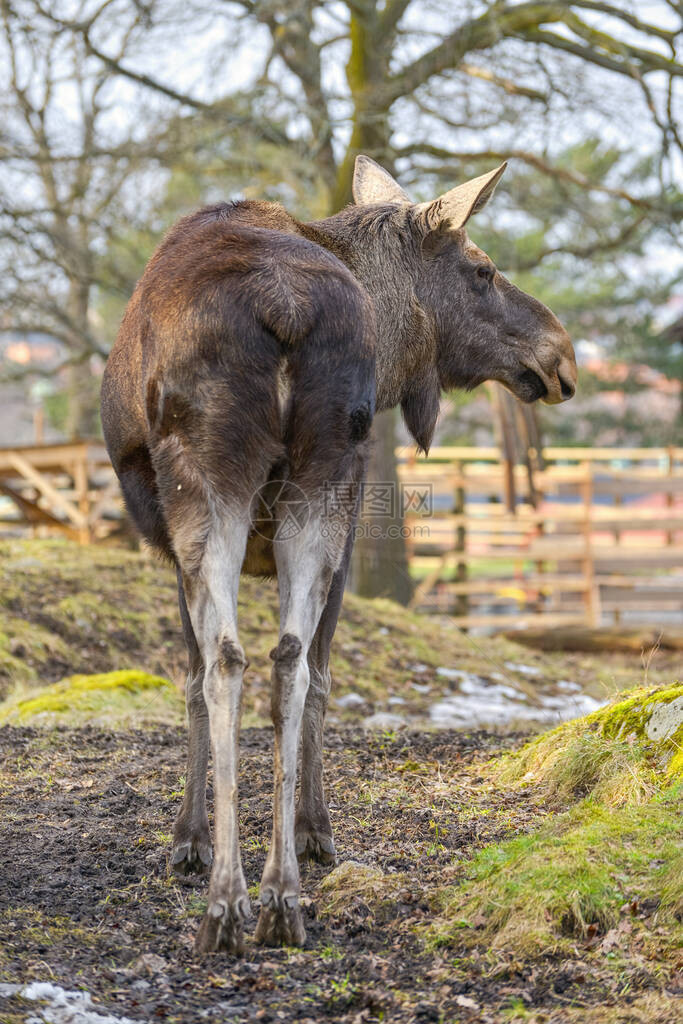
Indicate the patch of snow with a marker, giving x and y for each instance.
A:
(452, 673)
(419, 668)
(349, 700)
(384, 631)
(524, 670)
(477, 685)
(395, 702)
(480, 703)
(421, 687)
(9, 990)
(564, 684)
(63, 1007)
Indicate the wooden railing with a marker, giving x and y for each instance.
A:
(65, 489)
(597, 537)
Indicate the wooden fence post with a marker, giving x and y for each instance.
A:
(80, 475)
(671, 462)
(592, 596)
(462, 604)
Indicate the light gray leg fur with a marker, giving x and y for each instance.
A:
(191, 852)
(212, 601)
(313, 828)
(304, 575)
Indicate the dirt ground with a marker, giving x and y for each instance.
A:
(86, 901)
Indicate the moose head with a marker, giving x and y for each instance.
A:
(481, 327)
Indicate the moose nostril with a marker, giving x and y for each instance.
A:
(566, 389)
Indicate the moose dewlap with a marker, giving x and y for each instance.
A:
(250, 362)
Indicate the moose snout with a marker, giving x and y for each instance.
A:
(560, 382)
(565, 383)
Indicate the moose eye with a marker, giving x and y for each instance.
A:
(485, 272)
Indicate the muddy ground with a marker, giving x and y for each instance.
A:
(86, 901)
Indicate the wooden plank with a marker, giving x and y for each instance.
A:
(520, 620)
(450, 452)
(533, 583)
(33, 514)
(44, 487)
(551, 453)
(53, 457)
(602, 517)
(652, 601)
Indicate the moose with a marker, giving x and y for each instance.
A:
(250, 361)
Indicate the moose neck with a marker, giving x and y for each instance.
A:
(379, 249)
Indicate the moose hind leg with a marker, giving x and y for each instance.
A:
(191, 852)
(212, 601)
(313, 830)
(304, 576)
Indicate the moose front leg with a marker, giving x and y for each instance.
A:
(304, 580)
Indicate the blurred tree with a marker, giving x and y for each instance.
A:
(429, 88)
(607, 268)
(70, 174)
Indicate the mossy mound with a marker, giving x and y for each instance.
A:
(114, 699)
(614, 843)
(621, 754)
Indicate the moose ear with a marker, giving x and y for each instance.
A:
(453, 209)
(372, 184)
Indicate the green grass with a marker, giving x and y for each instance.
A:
(536, 892)
(614, 841)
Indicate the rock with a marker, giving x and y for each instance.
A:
(384, 720)
(665, 720)
(149, 963)
(467, 1003)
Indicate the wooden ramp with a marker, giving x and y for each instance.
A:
(59, 489)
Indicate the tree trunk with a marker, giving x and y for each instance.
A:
(82, 390)
(380, 564)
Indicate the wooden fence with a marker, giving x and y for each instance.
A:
(66, 489)
(596, 536)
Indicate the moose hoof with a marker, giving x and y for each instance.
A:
(280, 922)
(222, 927)
(192, 857)
(314, 845)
